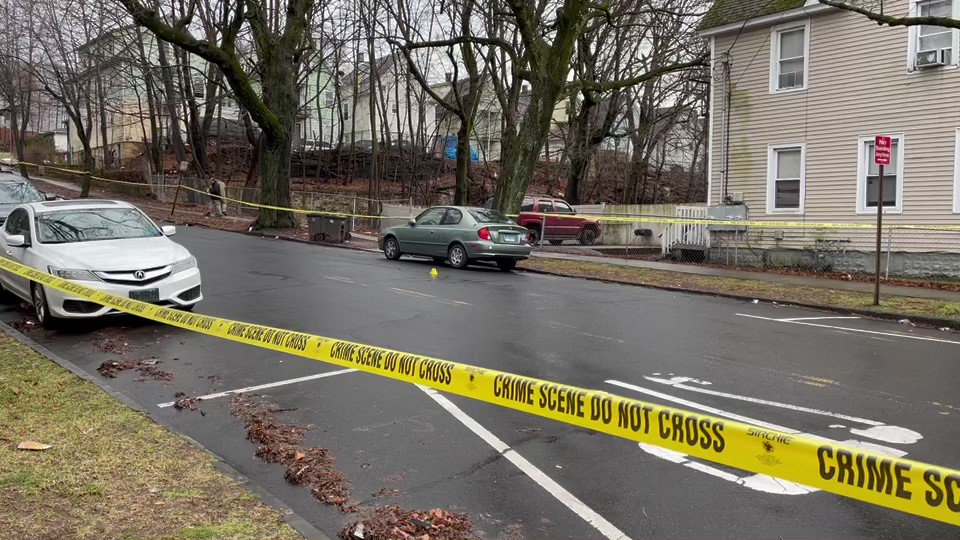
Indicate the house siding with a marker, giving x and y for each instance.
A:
(858, 86)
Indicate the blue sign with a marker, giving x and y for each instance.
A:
(450, 148)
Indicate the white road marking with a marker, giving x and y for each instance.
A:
(879, 431)
(263, 386)
(894, 434)
(587, 334)
(758, 482)
(762, 482)
(340, 278)
(430, 296)
(814, 318)
(414, 293)
(880, 449)
(565, 497)
(922, 338)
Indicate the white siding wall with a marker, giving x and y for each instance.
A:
(859, 85)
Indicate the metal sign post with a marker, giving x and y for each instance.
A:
(881, 156)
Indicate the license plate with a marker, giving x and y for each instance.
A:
(510, 238)
(146, 295)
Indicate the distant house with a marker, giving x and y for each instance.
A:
(405, 114)
(487, 122)
(799, 92)
(117, 62)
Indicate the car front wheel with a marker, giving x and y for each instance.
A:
(42, 308)
(457, 256)
(391, 249)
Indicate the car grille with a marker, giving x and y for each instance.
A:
(80, 306)
(128, 277)
(190, 294)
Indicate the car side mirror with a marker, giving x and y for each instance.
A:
(51, 196)
(17, 240)
(412, 223)
(168, 230)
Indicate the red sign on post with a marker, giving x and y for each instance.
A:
(881, 155)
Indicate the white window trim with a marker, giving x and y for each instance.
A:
(862, 169)
(772, 173)
(956, 175)
(775, 56)
(914, 35)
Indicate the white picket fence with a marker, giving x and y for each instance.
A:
(688, 234)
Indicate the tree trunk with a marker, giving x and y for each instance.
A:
(18, 145)
(461, 194)
(169, 90)
(518, 165)
(580, 152)
(280, 95)
(373, 184)
(101, 105)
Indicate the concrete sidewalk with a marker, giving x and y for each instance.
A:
(773, 277)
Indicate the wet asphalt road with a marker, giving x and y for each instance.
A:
(392, 435)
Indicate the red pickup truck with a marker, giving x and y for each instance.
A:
(542, 214)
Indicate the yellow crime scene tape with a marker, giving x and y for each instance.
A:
(909, 486)
(602, 219)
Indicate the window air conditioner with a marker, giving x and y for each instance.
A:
(936, 57)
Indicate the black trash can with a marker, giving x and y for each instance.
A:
(327, 228)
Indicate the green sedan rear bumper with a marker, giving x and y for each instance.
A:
(481, 249)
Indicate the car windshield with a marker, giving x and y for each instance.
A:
(18, 192)
(490, 216)
(98, 224)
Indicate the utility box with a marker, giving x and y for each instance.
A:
(727, 212)
(326, 228)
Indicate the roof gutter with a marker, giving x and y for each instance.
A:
(812, 7)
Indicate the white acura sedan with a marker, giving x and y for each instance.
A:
(106, 245)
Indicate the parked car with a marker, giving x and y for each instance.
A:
(556, 220)
(460, 235)
(106, 245)
(16, 190)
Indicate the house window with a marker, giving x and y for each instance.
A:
(790, 51)
(328, 99)
(868, 182)
(933, 46)
(930, 38)
(786, 178)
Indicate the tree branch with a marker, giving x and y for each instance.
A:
(887, 20)
(700, 61)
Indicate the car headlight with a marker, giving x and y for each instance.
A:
(185, 264)
(77, 275)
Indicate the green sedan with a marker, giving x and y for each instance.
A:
(460, 235)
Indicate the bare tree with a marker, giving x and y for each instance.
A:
(17, 84)
(281, 36)
(65, 72)
(464, 95)
(548, 33)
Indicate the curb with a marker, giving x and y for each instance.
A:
(260, 234)
(920, 320)
(291, 518)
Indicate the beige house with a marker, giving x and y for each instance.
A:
(799, 92)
